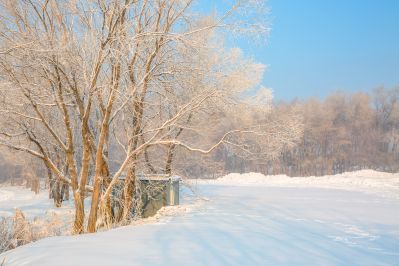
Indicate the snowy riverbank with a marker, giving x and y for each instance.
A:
(249, 219)
(369, 181)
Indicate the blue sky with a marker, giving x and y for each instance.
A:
(319, 46)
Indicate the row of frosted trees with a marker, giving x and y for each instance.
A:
(343, 132)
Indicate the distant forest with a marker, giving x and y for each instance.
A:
(343, 132)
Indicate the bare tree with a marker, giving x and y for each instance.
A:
(79, 77)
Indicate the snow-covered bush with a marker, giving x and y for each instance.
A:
(16, 231)
(6, 235)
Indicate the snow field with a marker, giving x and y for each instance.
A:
(248, 219)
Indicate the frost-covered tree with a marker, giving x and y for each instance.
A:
(89, 86)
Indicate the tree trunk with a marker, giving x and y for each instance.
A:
(79, 214)
(169, 159)
(128, 193)
(57, 194)
(50, 183)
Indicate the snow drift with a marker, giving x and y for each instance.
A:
(370, 181)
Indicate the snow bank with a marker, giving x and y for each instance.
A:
(384, 184)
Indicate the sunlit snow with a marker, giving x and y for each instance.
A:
(336, 220)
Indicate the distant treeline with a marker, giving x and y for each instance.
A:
(18, 168)
(344, 132)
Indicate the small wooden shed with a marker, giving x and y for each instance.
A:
(157, 191)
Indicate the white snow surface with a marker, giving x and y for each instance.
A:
(369, 181)
(248, 219)
(32, 205)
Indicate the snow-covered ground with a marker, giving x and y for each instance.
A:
(250, 219)
(32, 205)
(369, 181)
